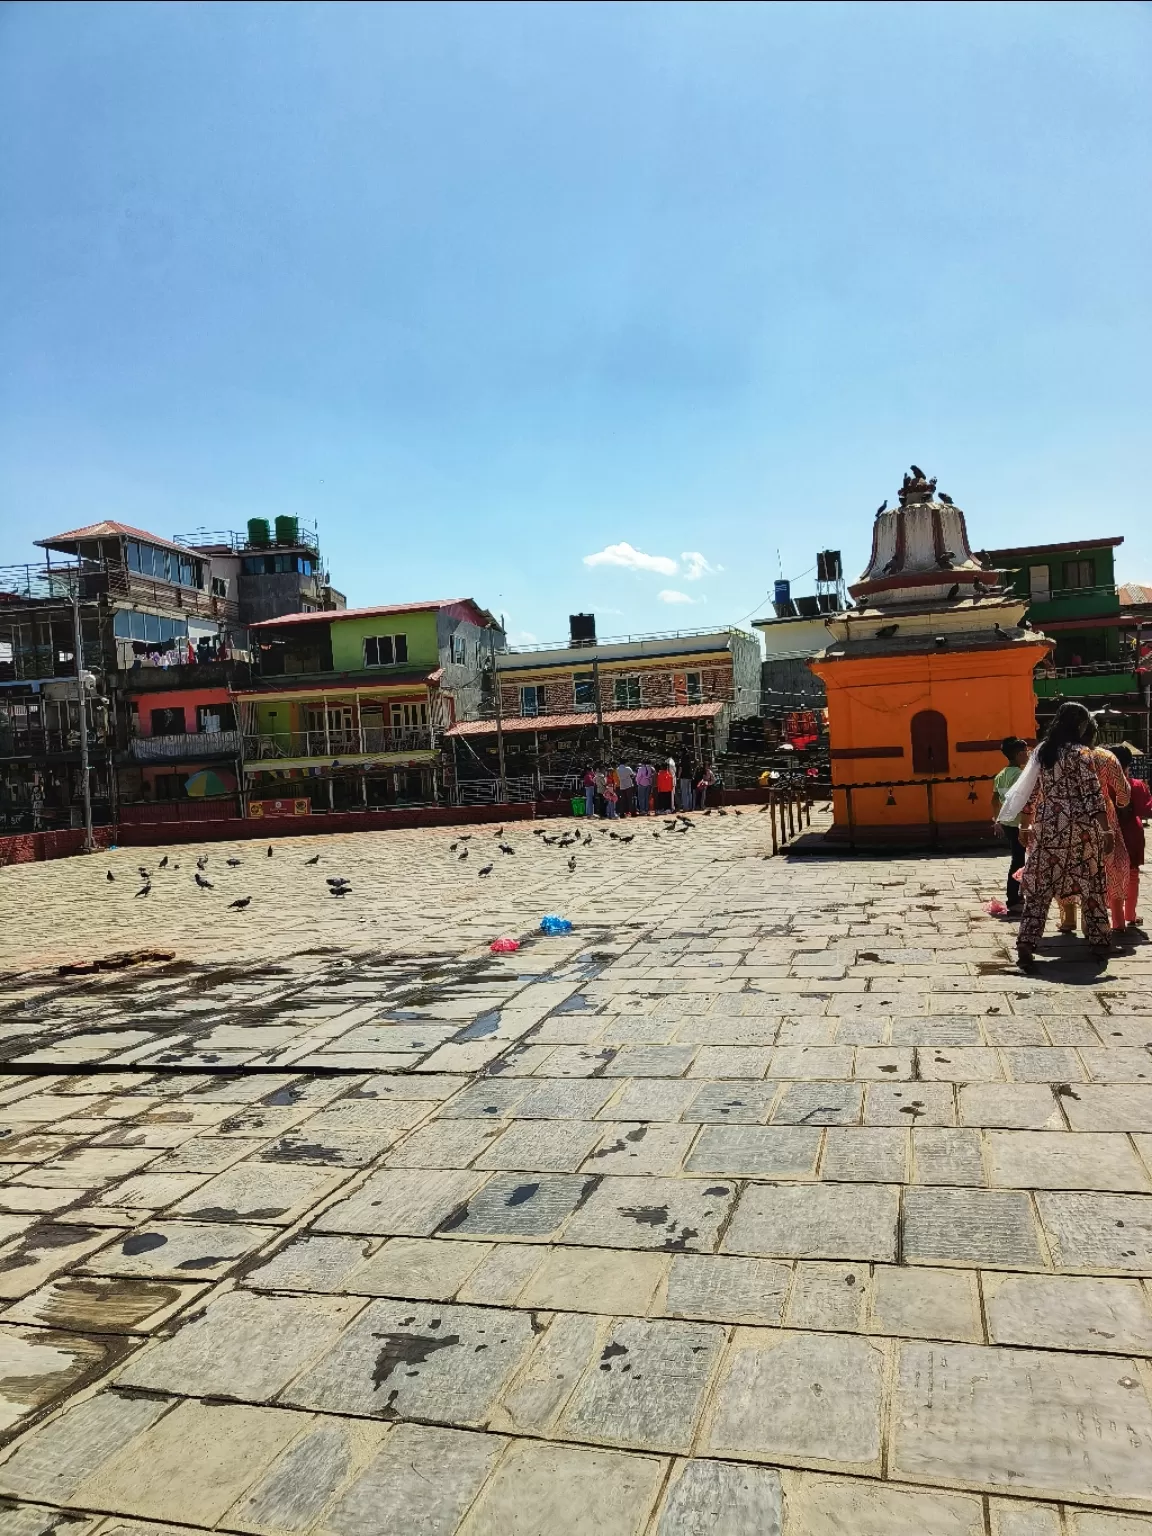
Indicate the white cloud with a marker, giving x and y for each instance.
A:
(633, 560)
(522, 637)
(670, 595)
(695, 565)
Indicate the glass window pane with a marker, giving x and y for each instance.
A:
(133, 555)
(371, 652)
(400, 647)
(152, 627)
(584, 689)
(122, 625)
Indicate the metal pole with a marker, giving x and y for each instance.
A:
(82, 703)
(600, 709)
(933, 829)
(499, 716)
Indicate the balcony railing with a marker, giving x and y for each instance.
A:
(1089, 669)
(46, 741)
(1060, 594)
(108, 578)
(370, 741)
(183, 745)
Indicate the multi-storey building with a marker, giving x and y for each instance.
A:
(271, 570)
(565, 703)
(1073, 598)
(164, 643)
(348, 709)
(141, 601)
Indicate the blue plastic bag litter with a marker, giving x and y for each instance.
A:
(551, 924)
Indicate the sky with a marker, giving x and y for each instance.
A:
(623, 308)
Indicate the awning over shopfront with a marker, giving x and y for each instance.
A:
(678, 714)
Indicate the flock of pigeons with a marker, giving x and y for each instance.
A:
(339, 886)
(576, 839)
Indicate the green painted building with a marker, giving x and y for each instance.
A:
(349, 706)
(1073, 598)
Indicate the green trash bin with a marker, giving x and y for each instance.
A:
(579, 806)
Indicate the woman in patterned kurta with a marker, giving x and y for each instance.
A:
(1117, 866)
(1065, 826)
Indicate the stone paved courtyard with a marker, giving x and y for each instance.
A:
(770, 1200)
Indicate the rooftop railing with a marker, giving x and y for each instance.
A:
(659, 634)
(239, 543)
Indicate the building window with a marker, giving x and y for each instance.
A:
(167, 722)
(688, 687)
(385, 650)
(148, 628)
(532, 701)
(459, 653)
(219, 586)
(163, 564)
(929, 742)
(215, 717)
(584, 690)
(1039, 583)
(409, 717)
(1079, 573)
(626, 692)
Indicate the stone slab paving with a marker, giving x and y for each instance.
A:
(772, 1199)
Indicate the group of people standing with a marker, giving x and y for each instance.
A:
(647, 787)
(1074, 815)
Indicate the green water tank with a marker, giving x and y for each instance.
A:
(287, 530)
(259, 531)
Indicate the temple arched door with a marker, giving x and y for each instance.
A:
(929, 742)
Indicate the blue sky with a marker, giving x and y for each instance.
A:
(485, 290)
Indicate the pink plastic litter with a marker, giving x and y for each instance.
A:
(504, 946)
(1018, 874)
(995, 909)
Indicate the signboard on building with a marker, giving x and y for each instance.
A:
(261, 808)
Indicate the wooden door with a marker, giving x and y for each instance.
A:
(929, 742)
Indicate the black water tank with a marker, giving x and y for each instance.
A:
(807, 607)
(582, 629)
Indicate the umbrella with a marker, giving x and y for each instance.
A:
(206, 782)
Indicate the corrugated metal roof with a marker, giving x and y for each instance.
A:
(108, 529)
(1051, 549)
(1135, 592)
(586, 717)
(326, 615)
